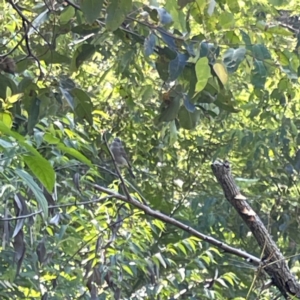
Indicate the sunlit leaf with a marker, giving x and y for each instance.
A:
(38, 21)
(6, 118)
(221, 72)
(203, 73)
(76, 154)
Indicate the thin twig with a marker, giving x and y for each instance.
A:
(57, 206)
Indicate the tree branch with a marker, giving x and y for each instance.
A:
(160, 216)
(275, 264)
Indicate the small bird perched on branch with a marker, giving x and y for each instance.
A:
(120, 156)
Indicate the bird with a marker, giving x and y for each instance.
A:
(120, 155)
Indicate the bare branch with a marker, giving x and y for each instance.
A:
(275, 266)
(57, 206)
(160, 216)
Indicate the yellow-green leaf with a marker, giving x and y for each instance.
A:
(42, 169)
(221, 72)
(202, 72)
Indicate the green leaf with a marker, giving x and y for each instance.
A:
(259, 74)
(51, 139)
(91, 9)
(221, 72)
(163, 15)
(176, 66)
(226, 19)
(233, 57)
(73, 152)
(42, 169)
(127, 269)
(4, 129)
(84, 105)
(225, 101)
(5, 83)
(82, 54)
(38, 21)
(67, 14)
(149, 44)
(182, 248)
(6, 118)
(260, 52)
(160, 259)
(86, 52)
(14, 98)
(162, 67)
(68, 97)
(170, 109)
(183, 3)
(116, 13)
(202, 72)
(188, 120)
(35, 189)
(246, 40)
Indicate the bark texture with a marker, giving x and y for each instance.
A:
(274, 262)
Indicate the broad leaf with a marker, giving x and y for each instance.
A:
(42, 169)
(35, 189)
(116, 13)
(91, 9)
(203, 73)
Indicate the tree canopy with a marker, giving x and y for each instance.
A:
(182, 84)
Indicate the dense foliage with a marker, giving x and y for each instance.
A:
(181, 83)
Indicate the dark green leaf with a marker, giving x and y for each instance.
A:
(73, 152)
(162, 66)
(82, 53)
(188, 120)
(85, 29)
(190, 107)
(260, 52)
(226, 102)
(233, 57)
(164, 16)
(84, 106)
(91, 9)
(67, 14)
(7, 83)
(167, 38)
(149, 44)
(183, 3)
(170, 109)
(177, 65)
(116, 13)
(68, 97)
(258, 74)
